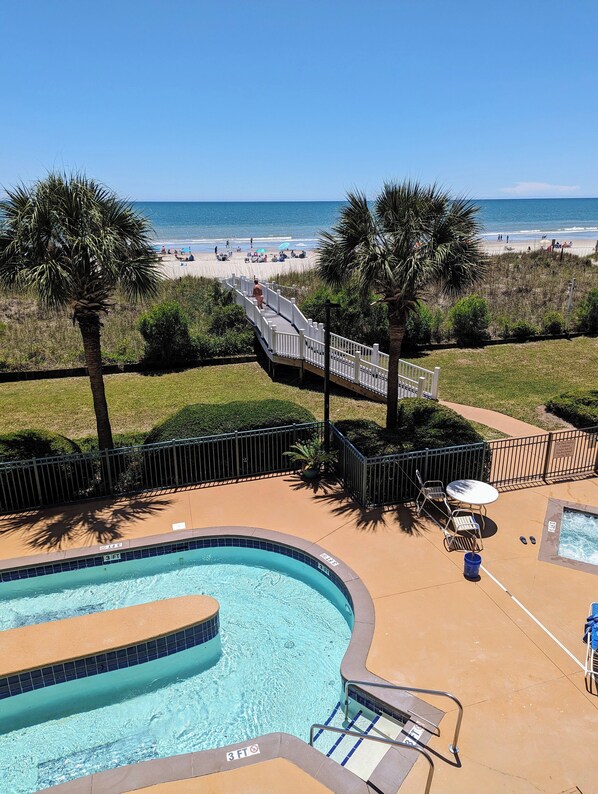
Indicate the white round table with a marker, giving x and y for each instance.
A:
(474, 493)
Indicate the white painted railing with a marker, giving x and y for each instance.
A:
(356, 363)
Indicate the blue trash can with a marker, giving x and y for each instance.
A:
(471, 565)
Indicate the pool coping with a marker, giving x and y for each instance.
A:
(551, 535)
(396, 763)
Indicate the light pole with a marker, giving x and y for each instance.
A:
(327, 306)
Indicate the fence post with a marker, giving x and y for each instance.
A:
(277, 301)
(356, 367)
(547, 458)
(274, 340)
(376, 354)
(293, 307)
(175, 464)
(237, 456)
(37, 482)
(108, 472)
(364, 484)
(321, 332)
(421, 385)
(435, 379)
(302, 345)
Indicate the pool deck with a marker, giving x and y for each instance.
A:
(529, 724)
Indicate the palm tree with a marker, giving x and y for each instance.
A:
(411, 237)
(73, 242)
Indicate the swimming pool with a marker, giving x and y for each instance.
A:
(579, 536)
(284, 628)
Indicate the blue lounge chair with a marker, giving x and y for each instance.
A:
(590, 637)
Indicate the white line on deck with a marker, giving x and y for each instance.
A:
(533, 617)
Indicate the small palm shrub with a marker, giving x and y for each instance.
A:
(469, 319)
(311, 454)
(165, 329)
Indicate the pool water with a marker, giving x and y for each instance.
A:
(284, 628)
(579, 536)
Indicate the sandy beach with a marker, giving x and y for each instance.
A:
(206, 264)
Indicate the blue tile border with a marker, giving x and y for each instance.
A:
(160, 549)
(130, 656)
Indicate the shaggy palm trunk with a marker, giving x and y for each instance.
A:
(396, 331)
(90, 331)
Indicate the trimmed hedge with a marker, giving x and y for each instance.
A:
(423, 424)
(578, 408)
(27, 444)
(206, 419)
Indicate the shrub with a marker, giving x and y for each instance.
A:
(359, 316)
(205, 419)
(418, 328)
(422, 424)
(579, 408)
(587, 313)
(165, 330)
(227, 318)
(522, 331)
(27, 444)
(553, 323)
(232, 343)
(469, 319)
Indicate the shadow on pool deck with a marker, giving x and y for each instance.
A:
(80, 524)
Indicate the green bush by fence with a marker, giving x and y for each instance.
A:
(27, 444)
(579, 408)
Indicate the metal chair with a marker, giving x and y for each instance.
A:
(429, 491)
(462, 526)
(590, 636)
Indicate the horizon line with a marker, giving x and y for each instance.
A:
(336, 200)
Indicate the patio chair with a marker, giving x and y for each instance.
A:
(462, 527)
(590, 637)
(429, 491)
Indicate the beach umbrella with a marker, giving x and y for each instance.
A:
(261, 250)
(284, 246)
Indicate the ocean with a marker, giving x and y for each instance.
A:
(204, 224)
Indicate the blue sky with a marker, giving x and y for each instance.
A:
(264, 99)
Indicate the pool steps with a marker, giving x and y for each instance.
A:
(359, 756)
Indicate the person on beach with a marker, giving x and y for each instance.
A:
(258, 294)
(216, 250)
(251, 242)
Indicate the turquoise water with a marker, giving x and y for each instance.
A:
(579, 536)
(203, 224)
(284, 628)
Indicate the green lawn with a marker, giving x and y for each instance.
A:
(514, 379)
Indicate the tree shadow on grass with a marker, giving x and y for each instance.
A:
(331, 493)
(84, 524)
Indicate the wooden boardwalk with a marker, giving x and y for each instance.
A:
(288, 337)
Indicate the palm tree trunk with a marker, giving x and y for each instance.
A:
(396, 330)
(90, 331)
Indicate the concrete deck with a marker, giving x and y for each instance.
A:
(529, 725)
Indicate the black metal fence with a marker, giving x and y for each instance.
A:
(509, 462)
(385, 480)
(44, 482)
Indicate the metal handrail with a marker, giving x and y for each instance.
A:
(454, 747)
(379, 740)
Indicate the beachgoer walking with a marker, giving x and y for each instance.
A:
(251, 242)
(227, 243)
(216, 250)
(258, 294)
(507, 239)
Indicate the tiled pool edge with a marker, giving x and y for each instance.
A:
(353, 665)
(551, 535)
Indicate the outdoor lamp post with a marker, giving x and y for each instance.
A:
(327, 306)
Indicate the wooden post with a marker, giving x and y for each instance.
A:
(376, 354)
(435, 379)
(293, 309)
(273, 338)
(421, 385)
(356, 367)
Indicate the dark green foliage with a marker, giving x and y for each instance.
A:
(359, 316)
(422, 424)
(587, 313)
(27, 444)
(165, 329)
(231, 343)
(227, 318)
(469, 319)
(206, 419)
(553, 323)
(522, 331)
(418, 328)
(90, 443)
(578, 408)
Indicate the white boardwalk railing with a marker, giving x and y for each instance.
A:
(295, 337)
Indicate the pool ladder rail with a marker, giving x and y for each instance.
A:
(415, 718)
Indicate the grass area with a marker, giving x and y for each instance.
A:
(516, 379)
